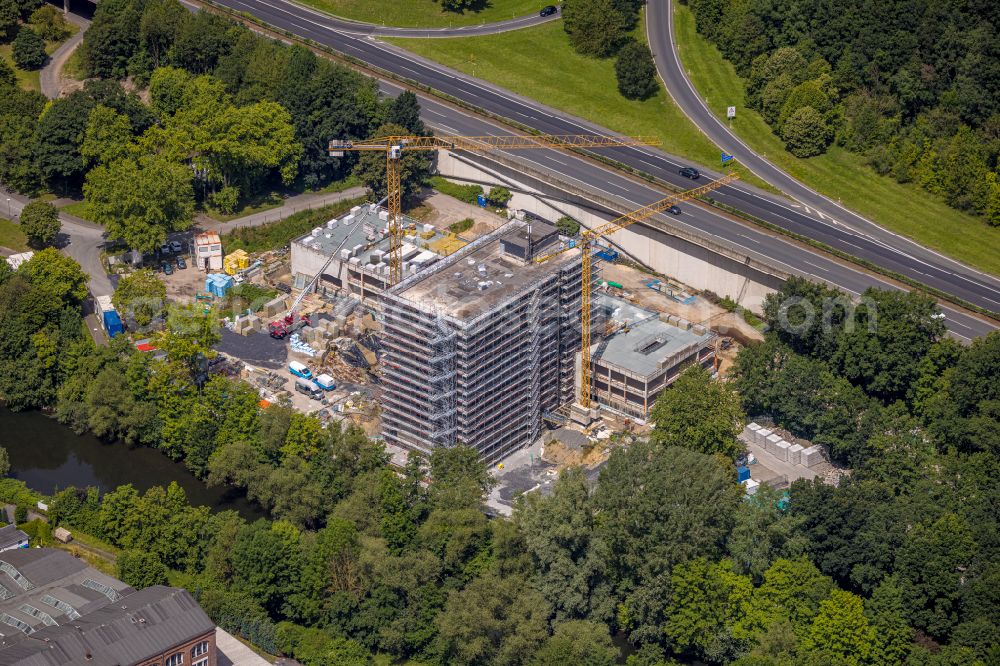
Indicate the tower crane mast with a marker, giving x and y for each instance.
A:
(586, 240)
(395, 146)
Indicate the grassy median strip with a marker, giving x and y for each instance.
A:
(839, 174)
(423, 13)
(540, 63)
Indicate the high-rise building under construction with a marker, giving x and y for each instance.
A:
(480, 344)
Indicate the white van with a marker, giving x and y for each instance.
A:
(299, 370)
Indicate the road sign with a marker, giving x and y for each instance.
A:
(731, 112)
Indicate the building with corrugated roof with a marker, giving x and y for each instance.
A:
(54, 609)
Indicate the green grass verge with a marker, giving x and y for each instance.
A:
(74, 67)
(839, 174)
(540, 63)
(338, 185)
(78, 208)
(25, 79)
(279, 234)
(467, 193)
(423, 13)
(258, 204)
(11, 236)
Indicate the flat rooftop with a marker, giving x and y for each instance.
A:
(457, 287)
(642, 347)
(364, 229)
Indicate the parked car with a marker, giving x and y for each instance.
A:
(181, 264)
(167, 268)
(548, 10)
(674, 210)
(176, 247)
(165, 249)
(690, 172)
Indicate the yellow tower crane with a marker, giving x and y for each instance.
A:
(395, 146)
(606, 229)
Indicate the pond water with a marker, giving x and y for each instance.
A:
(48, 456)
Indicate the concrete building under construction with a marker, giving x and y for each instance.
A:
(359, 244)
(480, 343)
(642, 355)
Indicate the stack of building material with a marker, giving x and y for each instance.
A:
(235, 262)
(761, 437)
(299, 346)
(781, 449)
(794, 453)
(771, 443)
(812, 456)
(749, 432)
(218, 284)
(275, 306)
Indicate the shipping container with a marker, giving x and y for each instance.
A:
(112, 323)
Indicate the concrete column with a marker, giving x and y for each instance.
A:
(66, 6)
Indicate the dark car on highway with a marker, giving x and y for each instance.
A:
(548, 10)
(690, 172)
(674, 210)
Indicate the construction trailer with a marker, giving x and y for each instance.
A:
(644, 354)
(481, 343)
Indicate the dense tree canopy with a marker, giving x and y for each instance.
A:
(913, 86)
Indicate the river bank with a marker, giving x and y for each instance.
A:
(48, 456)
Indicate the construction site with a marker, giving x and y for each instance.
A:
(499, 340)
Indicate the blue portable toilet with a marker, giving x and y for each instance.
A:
(113, 323)
(481, 200)
(742, 474)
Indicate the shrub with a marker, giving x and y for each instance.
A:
(226, 199)
(461, 225)
(499, 197)
(635, 71)
(49, 23)
(279, 234)
(567, 226)
(466, 193)
(29, 50)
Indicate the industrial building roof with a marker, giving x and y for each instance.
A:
(11, 537)
(642, 347)
(479, 277)
(57, 610)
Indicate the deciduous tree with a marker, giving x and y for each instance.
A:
(141, 295)
(139, 202)
(700, 414)
(635, 71)
(595, 27)
(40, 222)
(56, 274)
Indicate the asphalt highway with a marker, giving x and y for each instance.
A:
(893, 253)
(944, 271)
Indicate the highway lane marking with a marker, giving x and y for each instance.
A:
(348, 35)
(752, 240)
(825, 270)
